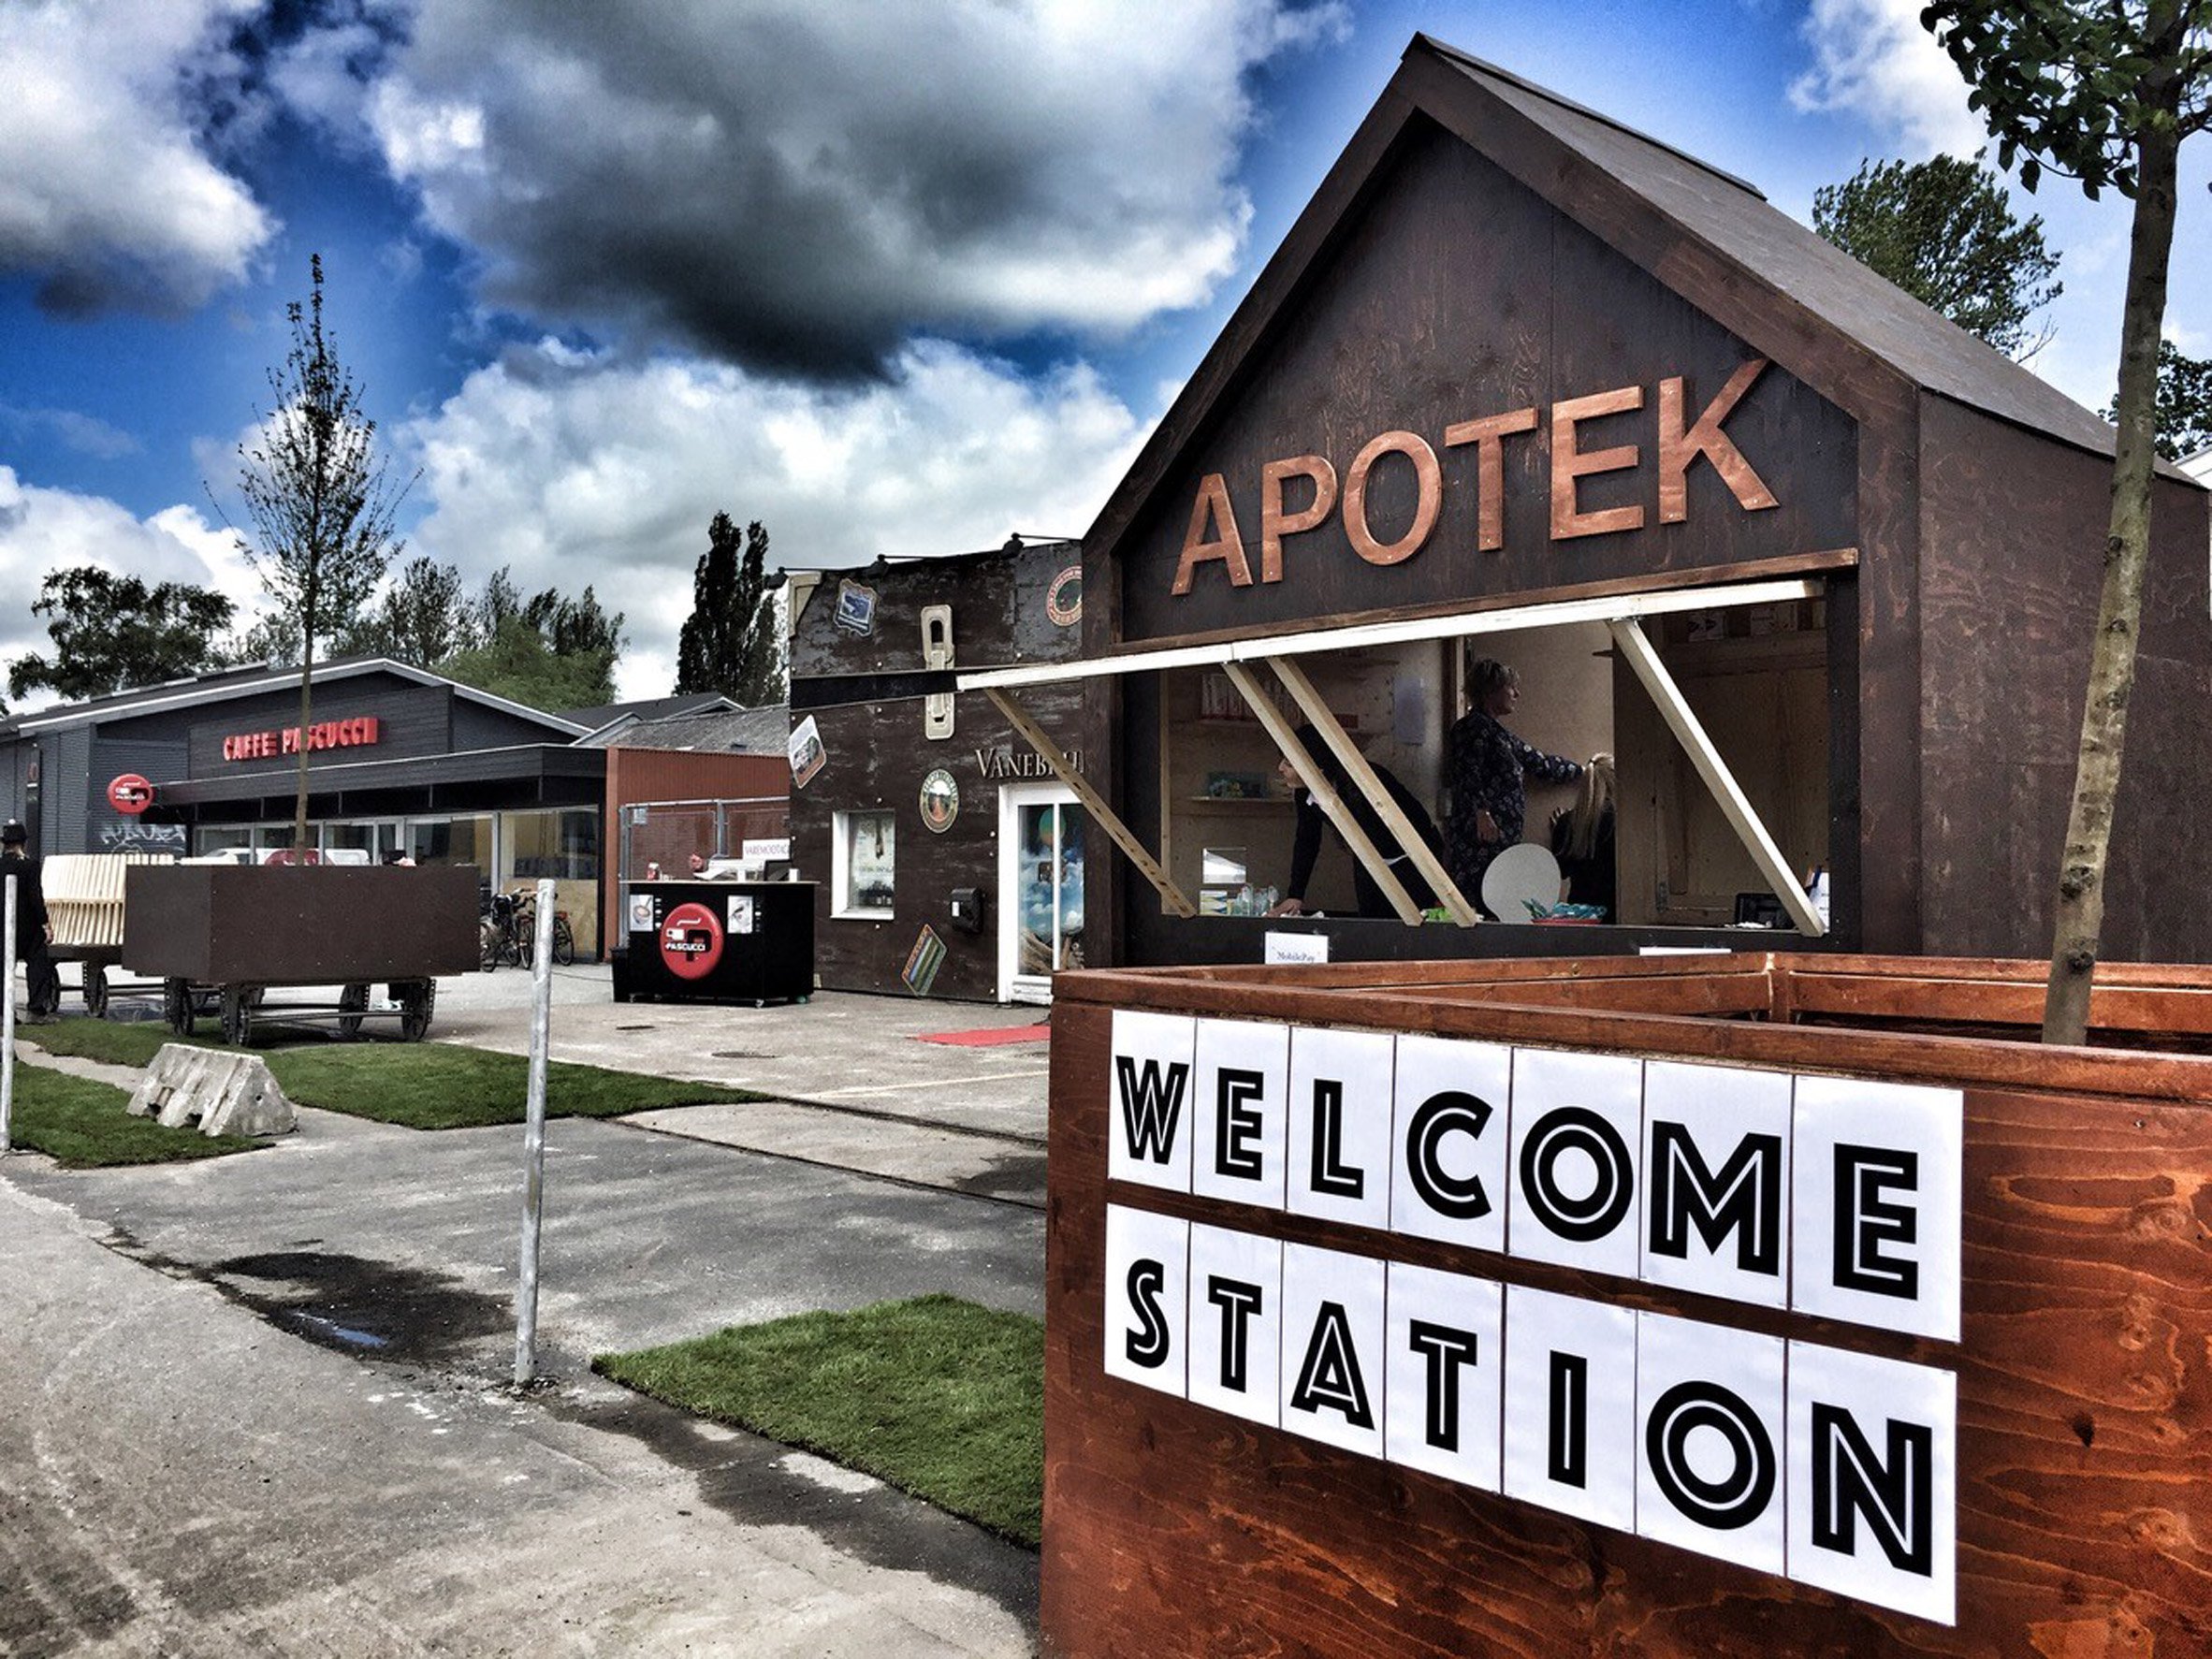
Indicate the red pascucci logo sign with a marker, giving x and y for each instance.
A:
(690, 941)
(268, 746)
(130, 794)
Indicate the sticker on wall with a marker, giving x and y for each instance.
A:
(922, 962)
(856, 608)
(807, 756)
(1063, 599)
(741, 915)
(690, 941)
(641, 912)
(940, 800)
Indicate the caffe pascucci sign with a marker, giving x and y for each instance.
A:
(1819, 1197)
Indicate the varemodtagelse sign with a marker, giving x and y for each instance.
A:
(1822, 1195)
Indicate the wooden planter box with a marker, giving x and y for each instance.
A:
(299, 925)
(1899, 1342)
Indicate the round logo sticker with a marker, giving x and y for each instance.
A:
(940, 800)
(1063, 599)
(690, 941)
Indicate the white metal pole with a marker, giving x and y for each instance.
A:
(533, 1142)
(7, 1021)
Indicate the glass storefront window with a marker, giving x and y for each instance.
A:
(219, 837)
(563, 845)
(451, 841)
(860, 859)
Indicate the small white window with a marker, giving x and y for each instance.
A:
(861, 865)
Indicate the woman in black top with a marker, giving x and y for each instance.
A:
(1582, 840)
(1487, 768)
(1306, 849)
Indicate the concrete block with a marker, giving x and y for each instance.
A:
(225, 1092)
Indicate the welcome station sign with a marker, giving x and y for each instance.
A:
(1816, 1196)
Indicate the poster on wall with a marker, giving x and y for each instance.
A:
(923, 961)
(807, 754)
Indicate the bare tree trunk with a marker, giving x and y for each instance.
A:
(307, 674)
(2080, 923)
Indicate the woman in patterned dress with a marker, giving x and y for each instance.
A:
(1488, 768)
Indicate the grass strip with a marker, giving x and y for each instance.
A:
(419, 1086)
(938, 1396)
(82, 1124)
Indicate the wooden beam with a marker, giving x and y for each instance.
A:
(1463, 624)
(1094, 802)
(1635, 650)
(1340, 743)
(1324, 793)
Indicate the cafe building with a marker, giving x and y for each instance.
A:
(401, 762)
(1819, 568)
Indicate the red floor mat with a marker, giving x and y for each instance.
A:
(989, 1037)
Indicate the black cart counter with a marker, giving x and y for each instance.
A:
(717, 942)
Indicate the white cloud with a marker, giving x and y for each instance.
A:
(108, 195)
(577, 471)
(43, 531)
(1873, 59)
(802, 188)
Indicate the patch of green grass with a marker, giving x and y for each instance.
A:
(112, 1041)
(419, 1086)
(83, 1124)
(443, 1085)
(937, 1396)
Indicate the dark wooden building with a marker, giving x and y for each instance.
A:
(950, 861)
(1819, 567)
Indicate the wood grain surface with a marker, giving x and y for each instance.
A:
(2085, 1371)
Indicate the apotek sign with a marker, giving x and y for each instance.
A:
(1817, 1196)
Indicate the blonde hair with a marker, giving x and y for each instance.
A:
(1588, 813)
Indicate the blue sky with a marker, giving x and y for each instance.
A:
(895, 279)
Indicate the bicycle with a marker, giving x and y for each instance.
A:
(511, 932)
(501, 937)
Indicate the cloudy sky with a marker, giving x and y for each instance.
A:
(895, 279)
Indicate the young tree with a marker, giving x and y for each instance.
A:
(2104, 91)
(111, 632)
(321, 504)
(1942, 230)
(732, 642)
(2184, 422)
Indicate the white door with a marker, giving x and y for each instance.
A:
(1041, 835)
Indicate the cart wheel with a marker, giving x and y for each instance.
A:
(417, 1001)
(95, 990)
(352, 1003)
(238, 1015)
(176, 1006)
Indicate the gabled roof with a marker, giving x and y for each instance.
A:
(649, 708)
(1651, 203)
(714, 731)
(245, 682)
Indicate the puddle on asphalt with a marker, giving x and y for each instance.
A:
(369, 1309)
(358, 1306)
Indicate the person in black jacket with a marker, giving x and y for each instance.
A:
(1306, 849)
(1582, 839)
(31, 930)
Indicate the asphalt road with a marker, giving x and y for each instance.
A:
(261, 1402)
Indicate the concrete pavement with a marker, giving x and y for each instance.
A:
(345, 1286)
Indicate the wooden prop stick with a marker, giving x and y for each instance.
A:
(1094, 802)
(1636, 649)
(1324, 794)
(1340, 743)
